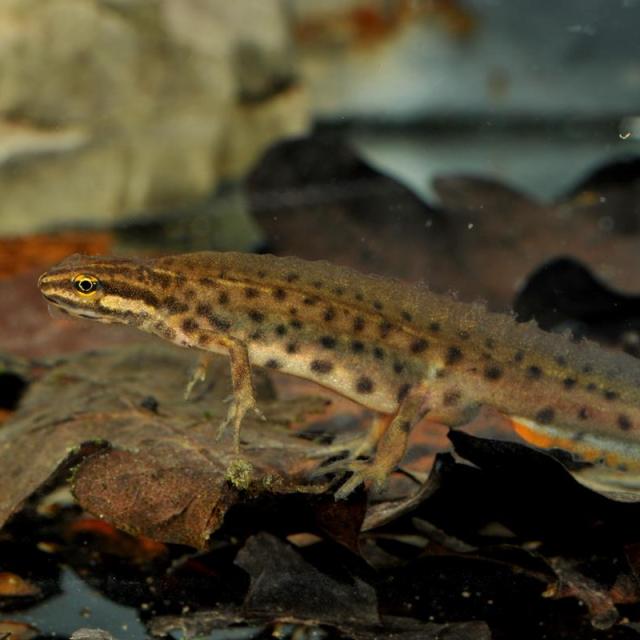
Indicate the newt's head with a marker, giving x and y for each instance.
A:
(101, 288)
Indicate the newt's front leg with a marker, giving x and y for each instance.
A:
(199, 373)
(242, 398)
(392, 446)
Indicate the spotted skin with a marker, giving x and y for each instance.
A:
(399, 350)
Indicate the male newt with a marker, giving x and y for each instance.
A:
(398, 349)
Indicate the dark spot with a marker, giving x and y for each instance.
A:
(534, 372)
(293, 311)
(545, 416)
(453, 355)
(359, 297)
(203, 338)
(309, 300)
(385, 328)
(583, 414)
(406, 316)
(434, 326)
(569, 383)
(296, 324)
(464, 335)
(292, 347)
(256, 316)
(561, 361)
(451, 398)
(321, 366)
(378, 353)
(161, 279)
(317, 284)
(490, 343)
(624, 423)
(357, 346)
(419, 345)
(223, 297)
(251, 292)
(338, 291)
(364, 384)
(329, 314)
(203, 309)
(441, 373)
(261, 274)
(405, 426)
(173, 305)
(218, 322)
(292, 277)
(328, 342)
(403, 391)
(493, 372)
(398, 367)
(189, 325)
(256, 335)
(587, 368)
(591, 386)
(518, 356)
(150, 404)
(281, 330)
(378, 306)
(190, 293)
(611, 395)
(272, 363)
(279, 293)
(208, 282)
(358, 323)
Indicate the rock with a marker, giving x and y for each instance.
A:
(110, 108)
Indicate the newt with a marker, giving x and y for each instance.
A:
(398, 349)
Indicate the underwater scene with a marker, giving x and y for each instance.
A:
(319, 319)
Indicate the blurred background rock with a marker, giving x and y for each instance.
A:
(130, 112)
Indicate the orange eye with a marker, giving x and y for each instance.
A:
(85, 285)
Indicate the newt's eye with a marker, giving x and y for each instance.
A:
(85, 285)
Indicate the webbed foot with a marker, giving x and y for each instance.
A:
(363, 472)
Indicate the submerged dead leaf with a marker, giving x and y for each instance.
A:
(14, 586)
(296, 587)
(282, 581)
(150, 464)
(482, 239)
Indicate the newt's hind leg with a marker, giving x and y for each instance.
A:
(391, 446)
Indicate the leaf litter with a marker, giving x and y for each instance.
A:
(149, 464)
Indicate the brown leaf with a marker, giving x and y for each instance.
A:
(158, 469)
(573, 583)
(14, 586)
(23, 254)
